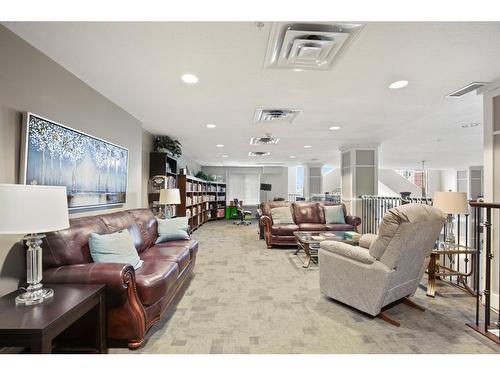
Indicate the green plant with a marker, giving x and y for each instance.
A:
(165, 142)
(202, 176)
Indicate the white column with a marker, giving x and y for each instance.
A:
(358, 176)
(313, 180)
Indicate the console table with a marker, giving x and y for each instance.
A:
(37, 326)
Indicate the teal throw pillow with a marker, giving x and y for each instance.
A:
(334, 214)
(116, 247)
(173, 229)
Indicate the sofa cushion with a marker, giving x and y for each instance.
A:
(281, 215)
(309, 212)
(310, 227)
(165, 251)
(339, 227)
(191, 244)
(147, 224)
(334, 214)
(154, 279)
(115, 247)
(284, 229)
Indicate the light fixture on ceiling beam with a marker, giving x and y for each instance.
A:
(189, 78)
(398, 84)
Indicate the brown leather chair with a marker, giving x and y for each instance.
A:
(136, 299)
(307, 216)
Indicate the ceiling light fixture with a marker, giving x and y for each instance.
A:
(220, 146)
(398, 84)
(211, 126)
(292, 157)
(307, 146)
(189, 78)
(334, 127)
(225, 156)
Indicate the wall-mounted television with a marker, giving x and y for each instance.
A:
(265, 187)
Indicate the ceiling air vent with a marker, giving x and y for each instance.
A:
(267, 140)
(466, 89)
(259, 153)
(308, 45)
(276, 115)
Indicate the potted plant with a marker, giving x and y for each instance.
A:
(163, 143)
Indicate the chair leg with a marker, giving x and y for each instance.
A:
(388, 319)
(410, 303)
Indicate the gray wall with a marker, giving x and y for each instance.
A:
(30, 81)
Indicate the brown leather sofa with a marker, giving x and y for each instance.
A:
(136, 299)
(307, 216)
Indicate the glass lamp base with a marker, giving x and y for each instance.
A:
(34, 297)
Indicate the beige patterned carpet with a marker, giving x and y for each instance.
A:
(245, 298)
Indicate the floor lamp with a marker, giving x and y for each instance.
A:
(33, 210)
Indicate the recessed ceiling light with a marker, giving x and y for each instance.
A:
(211, 126)
(292, 157)
(307, 146)
(189, 78)
(471, 125)
(225, 156)
(334, 127)
(398, 84)
(220, 146)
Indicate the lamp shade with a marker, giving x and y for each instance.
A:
(170, 196)
(451, 202)
(30, 209)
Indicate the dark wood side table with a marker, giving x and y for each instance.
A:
(36, 326)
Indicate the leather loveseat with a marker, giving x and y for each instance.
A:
(136, 299)
(307, 216)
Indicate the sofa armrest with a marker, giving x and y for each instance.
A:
(117, 277)
(353, 252)
(266, 223)
(354, 221)
(367, 239)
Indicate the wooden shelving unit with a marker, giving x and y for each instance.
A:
(160, 164)
(201, 200)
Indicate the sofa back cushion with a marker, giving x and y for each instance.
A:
(334, 214)
(309, 212)
(121, 220)
(410, 228)
(71, 245)
(281, 216)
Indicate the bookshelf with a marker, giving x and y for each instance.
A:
(162, 175)
(201, 200)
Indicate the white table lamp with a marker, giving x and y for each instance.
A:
(169, 197)
(451, 203)
(32, 210)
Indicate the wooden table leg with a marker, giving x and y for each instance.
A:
(431, 271)
(41, 345)
(102, 347)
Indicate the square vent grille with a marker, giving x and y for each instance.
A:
(264, 140)
(307, 46)
(259, 153)
(466, 89)
(276, 115)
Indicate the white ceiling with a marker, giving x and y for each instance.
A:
(138, 66)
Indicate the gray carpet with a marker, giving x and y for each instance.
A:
(245, 298)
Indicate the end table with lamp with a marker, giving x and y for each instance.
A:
(168, 198)
(451, 203)
(38, 316)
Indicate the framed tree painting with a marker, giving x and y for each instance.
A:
(94, 171)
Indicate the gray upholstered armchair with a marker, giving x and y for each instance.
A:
(384, 268)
